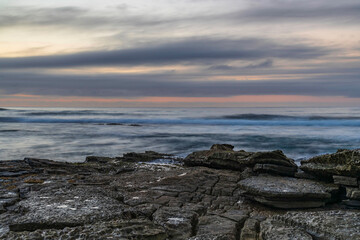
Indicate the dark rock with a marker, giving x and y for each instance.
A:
(275, 169)
(114, 229)
(250, 229)
(352, 203)
(285, 192)
(217, 226)
(276, 230)
(353, 193)
(343, 163)
(41, 163)
(134, 197)
(301, 174)
(98, 159)
(14, 174)
(63, 207)
(179, 224)
(223, 157)
(222, 147)
(346, 181)
(330, 225)
(143, 157)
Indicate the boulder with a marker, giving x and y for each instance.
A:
(287, 193)
(342, 163)
(222, 156)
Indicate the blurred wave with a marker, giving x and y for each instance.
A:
(67, 134)
(236, 122)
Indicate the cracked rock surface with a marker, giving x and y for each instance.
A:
(138, 197)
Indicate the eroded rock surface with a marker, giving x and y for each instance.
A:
(224, 157)
(331, 225)
(287, 192)
(132, 197)
(342, 163)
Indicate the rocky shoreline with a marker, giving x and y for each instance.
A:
(213, 194)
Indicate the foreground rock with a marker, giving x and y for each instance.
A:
(330, 225)
(342, 163)
(224, 157)
(341, 168)
(287, 193)
(132, 197)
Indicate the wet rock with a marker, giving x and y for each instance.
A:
(342, 163)
(15, 168)
(64, 207)
(352, 204)
(101, 199)
(14, 174)
(114, 124)
(222, 147)
(115, 229)
(353, 193)
(250, 230)
(223, 157)
(7, 198)
(346, 181)
(42, 163)
(217, 226)
(179, 223)
(331, 225)
(98, 159)
(301, 174)
(275, 169)
(286, 192)
(143, 157)
(275, 230)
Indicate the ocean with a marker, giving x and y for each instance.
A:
(69, 134)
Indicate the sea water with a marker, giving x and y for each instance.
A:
(66, 134)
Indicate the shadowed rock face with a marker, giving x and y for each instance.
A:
(343, 162)
(128, 198)
(286, 192)
(223, 157)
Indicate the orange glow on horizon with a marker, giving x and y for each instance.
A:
(19, 100)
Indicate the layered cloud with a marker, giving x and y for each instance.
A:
(180, 49)
(188, 50)
(172, 85)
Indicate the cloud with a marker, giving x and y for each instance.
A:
(323, 10)
(127, 85)
(263, 64)
(221, 67)
(267, 11)
(188, 50)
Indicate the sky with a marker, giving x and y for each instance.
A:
(179, 53)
